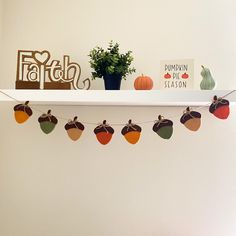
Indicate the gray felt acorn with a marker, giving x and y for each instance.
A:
(74, 129)
(47, 122)
(163, 127)
(191, 119)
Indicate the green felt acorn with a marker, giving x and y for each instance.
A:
(163, 127)
(47, 122)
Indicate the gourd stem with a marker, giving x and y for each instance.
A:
(75, 118)
(104, 122)
(130, 121)
(159, 117)
(202, 67)
(26, 103)
(49, 112)
(188, 109)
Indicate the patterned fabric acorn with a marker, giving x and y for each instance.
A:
(220, 108)
(22, 112)
(74, 129)
(191, 119)
(104, 133)
(47, 122)
(131, 132)
(163, 127)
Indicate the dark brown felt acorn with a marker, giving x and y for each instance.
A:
(47, 122)
(191, 119)
(220, 108)
(163, 127)
(104, 133)
(131, 132)
(22, 112)
(74, 129)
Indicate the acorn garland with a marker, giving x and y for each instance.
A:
(163, 127)
(191, 119)
(74, 129)
(220, 108)
(47, 122)
(131, 132)
(22, 112)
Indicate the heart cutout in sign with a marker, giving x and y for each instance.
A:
(41, 57)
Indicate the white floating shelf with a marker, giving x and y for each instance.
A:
(117, 98)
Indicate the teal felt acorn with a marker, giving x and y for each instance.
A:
(163, 127)
(207, 82)
(47, 122)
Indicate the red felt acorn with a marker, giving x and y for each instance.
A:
(191, 119)
(131, 132)
(74, 129)
(220, 108)
(22, 112)
(104, 133)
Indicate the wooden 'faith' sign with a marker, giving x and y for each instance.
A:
(35, 72)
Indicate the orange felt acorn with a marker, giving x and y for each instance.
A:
(220, 108)
(104, 133)
(74, 129)
(131, 132)
(22, 112)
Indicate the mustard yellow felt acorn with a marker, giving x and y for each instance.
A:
(131, 132)
(47, 122)
(220, 108)
(104, 133)
(74, 129)
(22, 112)
(163, 127)
(191, 119)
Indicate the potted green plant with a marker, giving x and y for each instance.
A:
(111, 65)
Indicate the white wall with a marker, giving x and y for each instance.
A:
(184, 187)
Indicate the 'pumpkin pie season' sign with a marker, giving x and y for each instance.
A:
(177, 74)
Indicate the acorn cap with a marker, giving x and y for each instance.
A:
(218, 102)
(24, 107)
(161, 122)
(48, 117)
(131, 127)
(189, 115)
(104, 128)
(74, 124)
